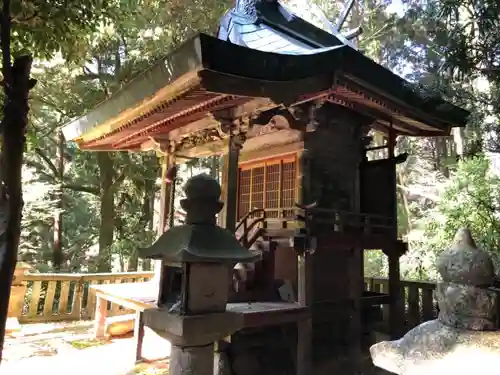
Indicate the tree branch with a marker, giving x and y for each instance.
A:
(81, 188)
(47, 161)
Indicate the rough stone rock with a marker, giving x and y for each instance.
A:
(433, 348)
(463, 335)
(464, 263)
(468, 307)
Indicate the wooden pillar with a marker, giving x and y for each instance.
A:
(101, 312)
(355, 295)
(165, 198)
(138, 334)
(304, 327)
(231, 198)
(304, 277)
(221, 220)
(396, 308)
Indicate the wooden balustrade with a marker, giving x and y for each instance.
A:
(57, 297)
(67, 296)
(419, 299)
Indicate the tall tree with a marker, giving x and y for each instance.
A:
(29, 29)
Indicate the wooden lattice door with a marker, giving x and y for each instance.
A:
(270, 184)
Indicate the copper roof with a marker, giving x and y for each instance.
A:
(260, 56)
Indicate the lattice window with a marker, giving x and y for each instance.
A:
(273, 182)
(270, 185)
(288, 187)
(244, 188)
(258, 187)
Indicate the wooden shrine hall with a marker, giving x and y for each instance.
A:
(290, 107)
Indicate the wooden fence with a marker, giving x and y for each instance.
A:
(63, 296)
(57, 297)
(419, 299)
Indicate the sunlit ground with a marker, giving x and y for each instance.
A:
(69, 348)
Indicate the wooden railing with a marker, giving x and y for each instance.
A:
(419, 299)
(60, 296)
(337, 220)
(57, 297)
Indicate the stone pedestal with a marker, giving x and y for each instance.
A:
(192, 337)
(463, 339)
(197, 360)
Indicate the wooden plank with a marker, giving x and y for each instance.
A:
(91, 300)
(77, 300)
(269, 160)
(101, 311)
(63, 298)
(139, 334)
(47, 319)
(277, 151)
(49, 298)
(85, 276)
(35, 298)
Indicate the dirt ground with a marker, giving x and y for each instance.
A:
(69, 348)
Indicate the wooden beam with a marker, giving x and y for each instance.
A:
(231, 198)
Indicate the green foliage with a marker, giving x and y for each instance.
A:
(470, 198)
(101, 52)
(45, 27)
(100, 55)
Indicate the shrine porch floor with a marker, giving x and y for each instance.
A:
(69, 348)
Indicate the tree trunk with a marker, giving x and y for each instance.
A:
(57, 253)
(17, 84)
(107, 226)
(146, 219)
(404, 199)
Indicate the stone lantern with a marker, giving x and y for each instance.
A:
(465, 331)
(198, 258)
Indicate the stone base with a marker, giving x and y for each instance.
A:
(433, 348)
(192, 330)
(195, 360)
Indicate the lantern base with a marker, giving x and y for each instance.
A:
(197, 360)
(192, 330)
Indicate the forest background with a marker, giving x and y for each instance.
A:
(87, 211)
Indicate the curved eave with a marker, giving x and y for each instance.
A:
(207, 74)
(169, 78)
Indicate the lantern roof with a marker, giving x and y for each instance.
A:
(199, 240)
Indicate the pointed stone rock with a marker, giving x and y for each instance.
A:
(464, 263)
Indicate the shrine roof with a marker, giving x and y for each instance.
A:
(272, 55)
